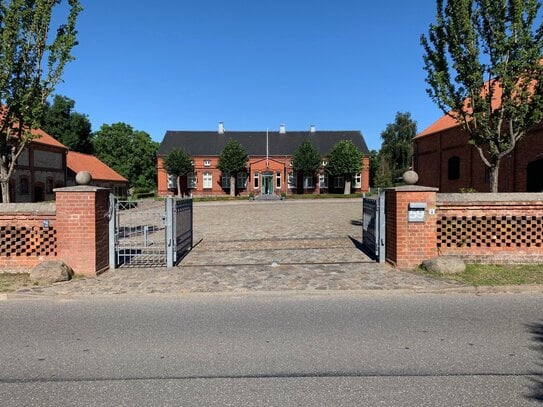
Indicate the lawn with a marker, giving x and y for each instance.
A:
(491, 274)
(11, 282)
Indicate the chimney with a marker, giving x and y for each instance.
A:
(221, 127)
(282, 129)
(312, 128)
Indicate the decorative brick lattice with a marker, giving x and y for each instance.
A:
(490, 231)
(27, 241)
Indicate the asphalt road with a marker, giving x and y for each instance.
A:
(371, 349)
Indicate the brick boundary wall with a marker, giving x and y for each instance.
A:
(25, 237)
(408, 243)
(74, 229)
(480, 227)
(491, 228)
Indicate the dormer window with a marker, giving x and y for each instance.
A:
(207, 163)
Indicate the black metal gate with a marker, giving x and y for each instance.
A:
(373, 226)
(149, 233)
(180, 237)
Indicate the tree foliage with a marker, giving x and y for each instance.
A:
(483, 64)
(130, 152)
(71, 128)
(178, 163)
(397, 148)
(383, 175)
(306, 159)
(32, 61)
(232, 160)
(345, 160)
(374, 165)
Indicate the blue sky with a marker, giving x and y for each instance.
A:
(186, 65)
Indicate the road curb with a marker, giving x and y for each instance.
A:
(481, 290)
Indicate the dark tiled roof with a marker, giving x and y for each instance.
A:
(211, 143)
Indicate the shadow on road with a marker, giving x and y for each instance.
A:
(537, 381)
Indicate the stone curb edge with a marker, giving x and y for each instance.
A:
(480, 290)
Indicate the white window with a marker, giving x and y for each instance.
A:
(225, 181)
(324, 163)
(208, 180)
(171, 181)
(207, 163)
(308, 181)
(339, 182)
(357, 181)
(191, 180)
(278, 180)
(292, 180)
(255, 180)
(323, 181)
(241, 181)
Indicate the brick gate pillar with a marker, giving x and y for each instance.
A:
(83, 228)
(411, 225)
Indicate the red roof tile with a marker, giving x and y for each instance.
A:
(444, 123)
(447, 121)
(99, 171)
(43, 138)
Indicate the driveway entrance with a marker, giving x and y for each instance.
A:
(291, 232)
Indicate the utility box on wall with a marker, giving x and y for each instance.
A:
(416, 212)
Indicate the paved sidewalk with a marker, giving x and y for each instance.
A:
(246, 246)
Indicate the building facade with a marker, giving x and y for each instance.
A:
(444, 159)
(46, 164)
(269, 168)
(41, 167)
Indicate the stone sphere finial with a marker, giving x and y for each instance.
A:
(83, 178)
(410, 177)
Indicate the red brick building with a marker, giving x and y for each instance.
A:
(41, 167)
(269, 170)
(444, 159)
(46, 164)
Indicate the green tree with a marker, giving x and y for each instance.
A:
(178, 163)
(374, 165)
(130, 152)
(397, 147)
(71, 128)
(344, 160)
(383, 175)
(26, 80)
(232, 160)
(306, 160)
(483, 65)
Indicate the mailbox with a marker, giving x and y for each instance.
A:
(416, 212)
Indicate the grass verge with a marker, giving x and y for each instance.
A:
(11, 282)
(495, 274)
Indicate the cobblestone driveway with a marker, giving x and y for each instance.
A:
(262, 246)
(266, 233)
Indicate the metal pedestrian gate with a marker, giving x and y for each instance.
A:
(149, 233)
(373, 226)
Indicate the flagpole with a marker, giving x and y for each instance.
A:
(267, 150)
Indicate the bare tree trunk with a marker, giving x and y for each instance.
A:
(494, 175)
(4, 185)
(232, 185)
(347, 186)
(178, 186)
